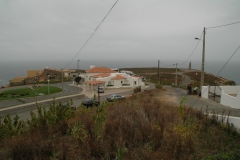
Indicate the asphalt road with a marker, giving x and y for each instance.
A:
(68, 90)
(205, 105)
(24, 111)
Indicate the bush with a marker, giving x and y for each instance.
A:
(158, 86)
(137, 89)
(232, 83)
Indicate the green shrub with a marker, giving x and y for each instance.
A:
(2, 94)
(232, 83)
(158, 86)
(137, 89)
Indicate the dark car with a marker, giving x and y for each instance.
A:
(89, 103)
(113, 97)
(65, 105)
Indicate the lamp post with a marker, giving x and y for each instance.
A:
(176, 75)
(1, 83)
(62, 79)
(78, 68)
(48, 84)
(203, 60)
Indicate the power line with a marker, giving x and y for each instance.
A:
(166, 64)
(226, 63)
(224, 25)
(193, 50)
(92, 33)
(189, 56)
(219, 72)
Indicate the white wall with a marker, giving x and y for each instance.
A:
(231, 89)
(231, 120)
(231, 101)
(204, 92)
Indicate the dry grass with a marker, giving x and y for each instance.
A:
(167, 74)
(209, 79)
(145, 126)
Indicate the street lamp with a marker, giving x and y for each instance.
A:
(176, 75)
(62, 78)
(78, 68)
(48, 84)
(203, 60)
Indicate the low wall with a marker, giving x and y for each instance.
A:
(231, 89)
(227, 100)
(235, 121)
(231, 120)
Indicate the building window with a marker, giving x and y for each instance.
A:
(135, 82)
(121, 81)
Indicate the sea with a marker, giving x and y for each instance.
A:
(12, 69)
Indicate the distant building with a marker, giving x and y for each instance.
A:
(127, 72)
(38, 76)
(190, 66)
(105, 77)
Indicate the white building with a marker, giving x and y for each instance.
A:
(102, 76)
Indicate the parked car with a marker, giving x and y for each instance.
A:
(89, 103)
(100, 90)
(113, 97)
(65, 105)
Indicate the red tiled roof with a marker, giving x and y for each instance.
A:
(117, 77)
(100, 70)
(94, 82)
(101, 75)
(135, 77)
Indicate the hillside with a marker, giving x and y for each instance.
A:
(147, 125)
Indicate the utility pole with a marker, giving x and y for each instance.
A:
(176, 74)
(78, 67)
(62, 78)
(158, 72)
(203, 61)
(98, 96)
(48, 84)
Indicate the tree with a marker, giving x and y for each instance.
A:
(78, 79)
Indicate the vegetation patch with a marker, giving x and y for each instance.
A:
(28, 92)
(144, 126)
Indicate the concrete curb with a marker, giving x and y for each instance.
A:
(31, 103)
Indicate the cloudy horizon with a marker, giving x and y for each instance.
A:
(134, 29)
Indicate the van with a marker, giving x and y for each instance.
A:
(100, 90)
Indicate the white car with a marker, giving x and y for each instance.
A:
(100, 90)
(113, 97)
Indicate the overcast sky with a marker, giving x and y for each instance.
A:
(134, 29)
